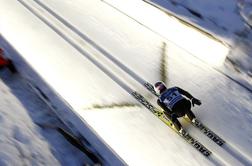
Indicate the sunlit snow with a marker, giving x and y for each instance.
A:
(133, 32)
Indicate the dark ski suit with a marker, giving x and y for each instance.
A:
(175, 105)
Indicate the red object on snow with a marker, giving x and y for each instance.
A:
(3, 61)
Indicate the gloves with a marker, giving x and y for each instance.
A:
(195, 101)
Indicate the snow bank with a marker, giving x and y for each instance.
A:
(246, 11)
(21, 142)
(225, 20)
(241, 56)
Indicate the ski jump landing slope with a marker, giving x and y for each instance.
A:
(58, 46)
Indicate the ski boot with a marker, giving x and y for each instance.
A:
(182, 132)
(195, 121)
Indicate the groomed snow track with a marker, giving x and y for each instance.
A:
(110, 66)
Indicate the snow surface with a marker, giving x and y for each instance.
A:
(245, 7)
(211, 15)
(23, 141)
(225, 20)
(132, 132)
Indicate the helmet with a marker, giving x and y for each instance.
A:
(159, 87)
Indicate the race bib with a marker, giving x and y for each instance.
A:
(170, 98)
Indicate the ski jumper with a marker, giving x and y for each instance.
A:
(175, 105)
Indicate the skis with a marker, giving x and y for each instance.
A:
(187, 137)
(209, 133)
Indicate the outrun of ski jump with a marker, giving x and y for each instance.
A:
(133, 82)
